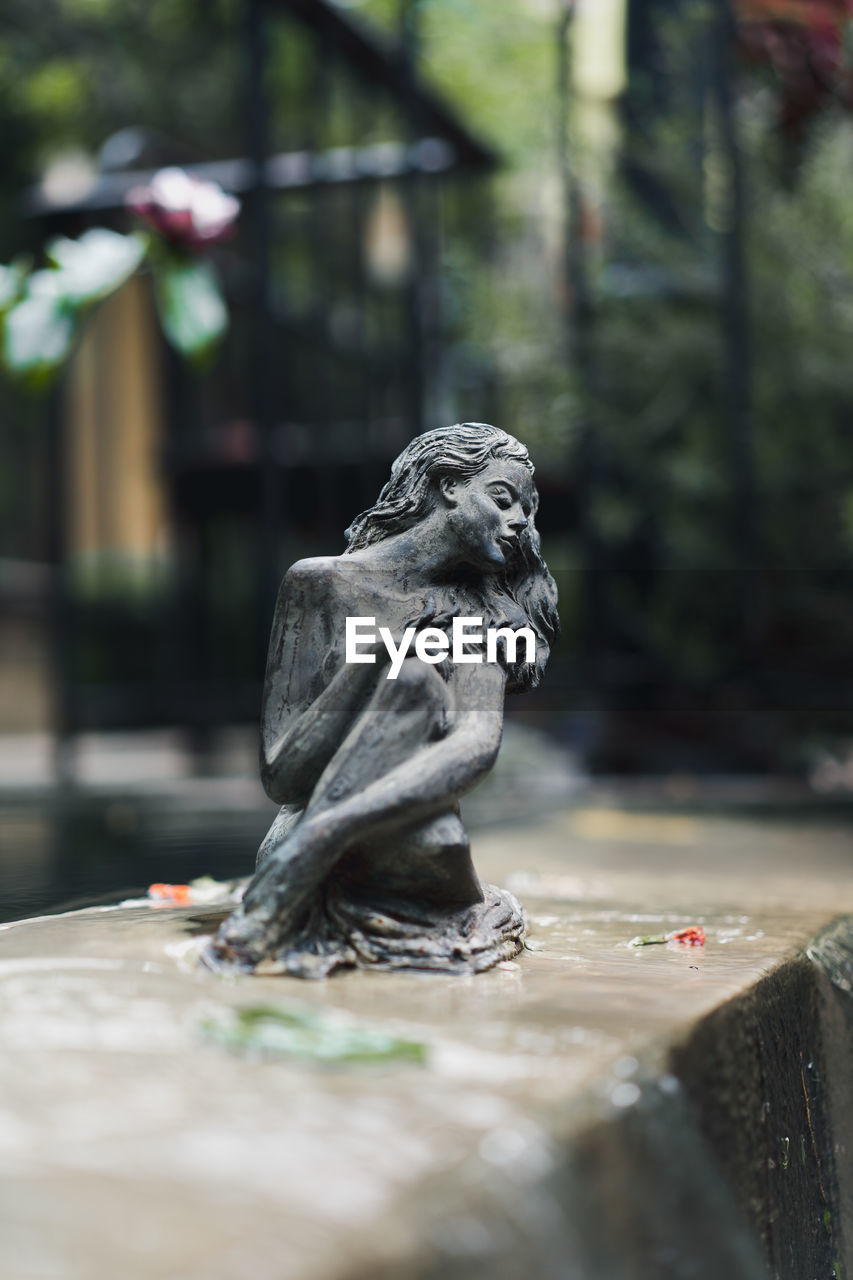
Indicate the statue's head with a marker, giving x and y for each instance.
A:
(482, 479)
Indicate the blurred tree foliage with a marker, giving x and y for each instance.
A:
(660, 405)
(656, 401)
(79, 70)
(663, 509)
(661, 506)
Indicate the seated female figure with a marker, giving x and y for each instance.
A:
(367, 862)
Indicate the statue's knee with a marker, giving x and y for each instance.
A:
(418, 677)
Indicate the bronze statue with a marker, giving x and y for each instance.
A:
(383, 704)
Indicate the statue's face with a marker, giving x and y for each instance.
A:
(489, 512)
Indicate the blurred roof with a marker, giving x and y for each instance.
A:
(440, 142)
(284, 171)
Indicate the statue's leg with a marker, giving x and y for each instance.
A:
(284, 822)
(400, 718)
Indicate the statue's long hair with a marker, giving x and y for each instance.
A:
(525, 584)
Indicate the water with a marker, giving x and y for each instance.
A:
(141, 816)
(55, 855)
(99, 844)
(91, 847)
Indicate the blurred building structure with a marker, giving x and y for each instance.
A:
(653, 299)
(184, 493)
(709, 392)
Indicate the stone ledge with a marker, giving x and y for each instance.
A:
(733, 1159)
(593, 1110)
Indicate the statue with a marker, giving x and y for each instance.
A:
(383, 704)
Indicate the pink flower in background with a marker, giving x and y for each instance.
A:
(188, 211)
(805, 45)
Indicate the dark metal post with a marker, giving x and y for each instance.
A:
(358, 223)
(323, 243)
(59, 618)
(409, 42)
(734, 315)
(580, 354)
(262, 390)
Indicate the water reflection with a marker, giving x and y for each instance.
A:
(139, 815)
(61, 852)
(27, 859)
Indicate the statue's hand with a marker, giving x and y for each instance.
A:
(240, 941)
(271, 906)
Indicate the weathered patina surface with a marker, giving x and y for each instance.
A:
(367, 863)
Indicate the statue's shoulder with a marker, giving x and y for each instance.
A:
(312, 568)
(313, 572)
(318, 579)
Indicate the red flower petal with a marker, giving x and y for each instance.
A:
(692, 936)
(177, 893)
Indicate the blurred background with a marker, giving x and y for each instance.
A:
(621, 229)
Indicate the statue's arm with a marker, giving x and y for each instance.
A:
(419, 787)
(414, 787)
(303, 719)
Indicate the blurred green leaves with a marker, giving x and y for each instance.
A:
(12, 283)
(40, 324)
(41, 312)
(311, 1035)
(56, 89)
(191, 306)
(38, 330)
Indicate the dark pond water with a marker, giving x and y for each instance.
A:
(55, 856)
(93, 848)
(100, 842)
(96, 847)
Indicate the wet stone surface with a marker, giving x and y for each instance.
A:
(134, 1142)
